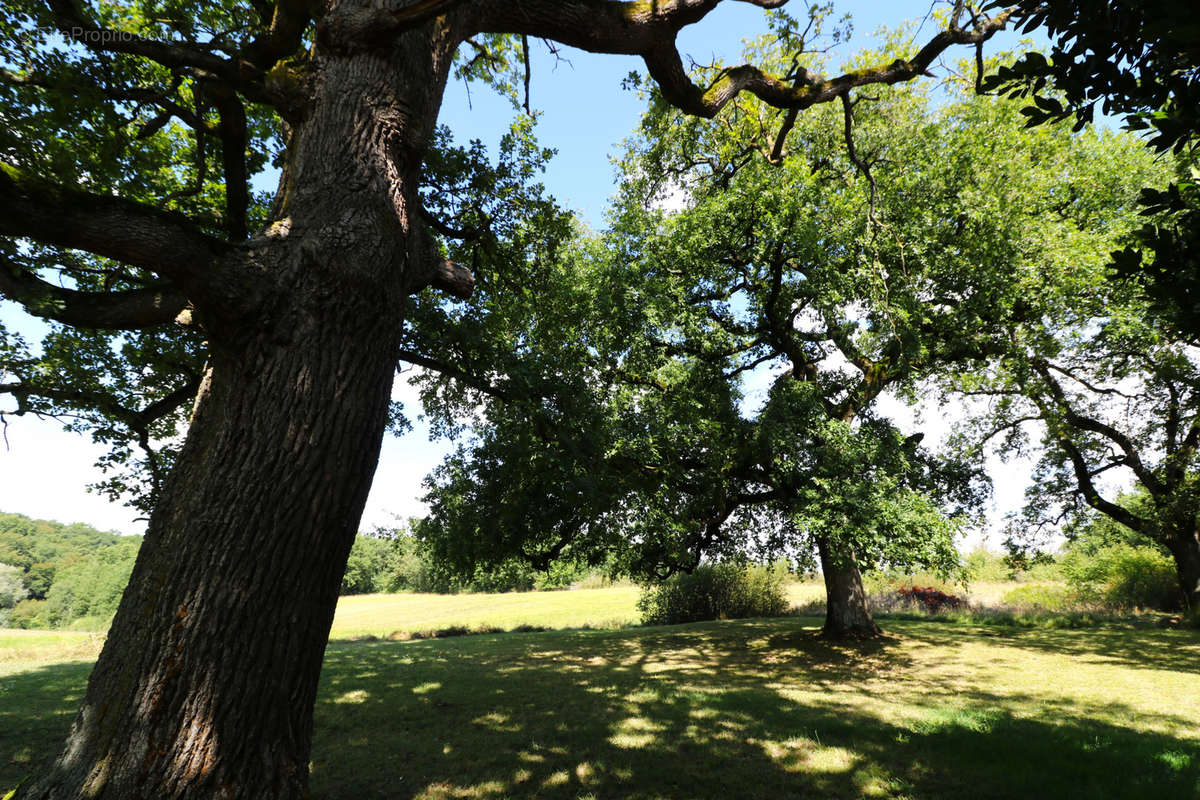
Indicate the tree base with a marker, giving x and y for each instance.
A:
(868, 630)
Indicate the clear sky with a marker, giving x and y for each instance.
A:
(585, 114)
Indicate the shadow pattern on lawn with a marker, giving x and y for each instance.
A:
(756, 709)
(37, 708)
(706, 712)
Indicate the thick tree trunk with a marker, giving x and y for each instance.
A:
(207, 681)
(206, 684)
(1185, 547)
(846, 612)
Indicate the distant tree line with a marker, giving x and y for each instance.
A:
(398, 560)
(54, 575)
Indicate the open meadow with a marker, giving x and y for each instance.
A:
(382, 615)
(746, 709)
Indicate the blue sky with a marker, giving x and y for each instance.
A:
(585, 114)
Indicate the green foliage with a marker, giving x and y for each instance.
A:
(879, 583)
(982, 564)
(1092, 532)
(29, 613)
(1090, 373)
(1101, 570)
(1123, 577)
(118, 125)
(1140, 60)
(1163, 258)
(734, 348)
(1134, 58)
(1037, 598)
(40, 548)
(91, 589)
(398, 561)
(69, 572)
(367, 567)
(411, 569)
(12, 590)
(1042, 569)
(716, 591)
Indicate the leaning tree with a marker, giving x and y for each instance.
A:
(131, 134)
(1110, 390)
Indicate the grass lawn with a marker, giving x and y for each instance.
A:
(742, 709)
(611, 607)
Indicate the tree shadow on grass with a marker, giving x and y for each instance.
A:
(36, 711)
(737, 710)
(731, 710)
(1131, 645)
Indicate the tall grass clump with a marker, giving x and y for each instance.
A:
(1041, 599)
(716, 591)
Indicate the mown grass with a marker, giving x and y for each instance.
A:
(743, 709)
(382, 615)
(21, 650)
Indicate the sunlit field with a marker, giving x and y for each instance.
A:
(383, 615)
(740, 709)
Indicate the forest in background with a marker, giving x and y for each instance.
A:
(71, 576)
(54, 575)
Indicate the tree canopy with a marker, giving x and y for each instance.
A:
(1138, 60)
(1109, 390)
(273, 324)
(735, 348)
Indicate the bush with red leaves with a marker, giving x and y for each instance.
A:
(932, 600)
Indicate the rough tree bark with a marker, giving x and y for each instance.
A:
(846, 611)
(206, 684)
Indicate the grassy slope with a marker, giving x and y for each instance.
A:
(747, 709)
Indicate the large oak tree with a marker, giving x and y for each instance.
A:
(130, 134)
(739, 338)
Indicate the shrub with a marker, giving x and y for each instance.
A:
(91, 588)
(718, 591)
(892, 592)
(889, 582)
(1049, 570)
(12, 589)
(366, 565)
(28, 613)
(93, 623)
(931, 599)
(988, 567)
(1123, 577)
(596, 580)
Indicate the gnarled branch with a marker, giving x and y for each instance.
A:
(1082, 422)
(598, 26)
(156, 240)
(173, 55)
(127, 310)
(456, 373)
(648, 29)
